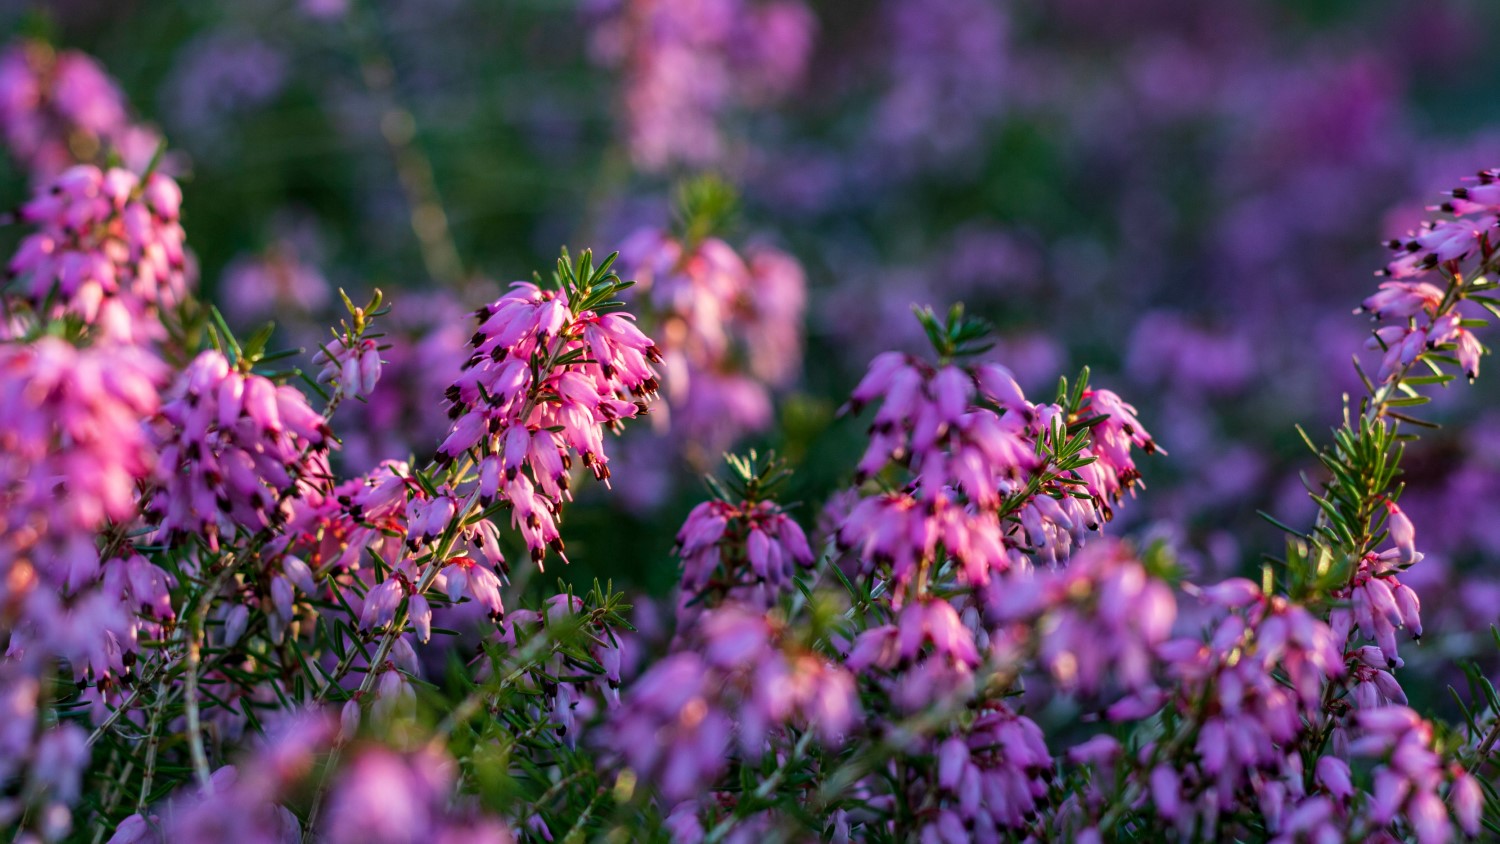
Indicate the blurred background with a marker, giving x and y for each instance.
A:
(1188, 197)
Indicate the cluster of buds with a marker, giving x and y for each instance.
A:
(352, 363)
(740, 546)
(108, 250)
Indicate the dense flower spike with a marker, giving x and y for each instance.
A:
(543, 382)
(233, 448)
(997, 480)
(108, 250)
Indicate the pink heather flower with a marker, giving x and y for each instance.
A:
(1441, 242)
(745, 553)
(1400, 300)
(1468, 803)
(925, 660)
(233, 448)
(1380, 604)
(59, 108)
(500, 420)
(107, 249)
(420, 613)
(1403, 535)
(1332, 774)
(715, 309)
(737, 686)
(1410, 773)
(991, 777)
(466, 577)
(381, 603)
(1103, 616)
(392, 798)
(335, 530)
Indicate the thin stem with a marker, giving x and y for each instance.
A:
(191, 665)
(153, 740)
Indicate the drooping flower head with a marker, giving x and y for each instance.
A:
(548, 374)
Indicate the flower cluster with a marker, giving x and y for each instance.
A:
(1418, 315)
(994, 485)
(990, 779)
(1253, 687)
(926, 660)
(730, 688)
(1409, 780)
(1102, 616)
(108, 250)
(233, 447)
(72, 461)
(729, 328)
(543, 381)
(58, 108)
(745, 552)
